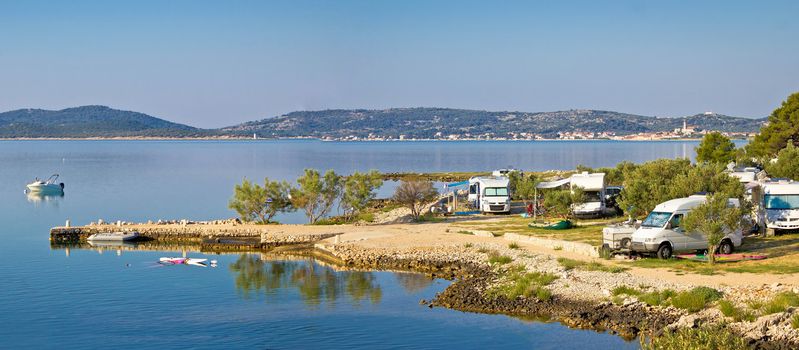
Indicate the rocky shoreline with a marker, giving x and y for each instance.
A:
(473, 276)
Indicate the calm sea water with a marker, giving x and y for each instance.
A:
(85, 298)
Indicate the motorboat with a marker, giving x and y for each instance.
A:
(114, 236)
(46, 186)
(184, 261)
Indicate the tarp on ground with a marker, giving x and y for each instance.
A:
(553, 184)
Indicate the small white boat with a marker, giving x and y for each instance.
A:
(185, 261)
(114, 236)
(46, 186)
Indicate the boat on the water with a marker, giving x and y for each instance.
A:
(113, 236)
(46, 186)
(184, 261)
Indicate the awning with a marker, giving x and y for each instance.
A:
(456, 184)
(553, 184)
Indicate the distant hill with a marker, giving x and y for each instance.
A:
(421, 123)
(89, 121)
(427, 122)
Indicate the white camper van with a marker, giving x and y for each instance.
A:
(779, 207)
(660, 232)
(490, 194)
(593, 186)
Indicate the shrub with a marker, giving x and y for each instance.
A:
(657, 298)
(255, 203)
(513, 245)
(414, 194)
(703, 338)
(316, 193)
(795, 321)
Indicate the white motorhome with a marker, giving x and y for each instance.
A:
(593, 186)
(778, 203)
(490, 194)
(661, 232)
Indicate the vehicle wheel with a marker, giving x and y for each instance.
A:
(725, 247)
(664, 251)
(625, 243)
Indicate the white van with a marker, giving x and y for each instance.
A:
(490, 194)
(660, 232)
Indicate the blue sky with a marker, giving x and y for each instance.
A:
(217, 63)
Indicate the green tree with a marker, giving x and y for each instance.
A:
(359, 190)
(786, 164)
(316, 194)
(561, 203)
(782, 128)
(649, 184)
(414, 195)
(715, 148)
(714, 219)
(255, 203)
(709, 178)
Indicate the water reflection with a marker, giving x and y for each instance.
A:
(37, 198)
(315, 284)
(413, 282)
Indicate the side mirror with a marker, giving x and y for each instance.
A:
(668, 225)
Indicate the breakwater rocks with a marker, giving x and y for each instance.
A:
(222, 234)
(448, 263)
(627, 320)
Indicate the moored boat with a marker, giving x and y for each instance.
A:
(46, 186)
(114, 236)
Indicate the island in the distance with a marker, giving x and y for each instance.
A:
(385, 124)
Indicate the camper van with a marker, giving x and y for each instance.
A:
(593, 186)
(779, 205)
(490, 194)
(660, 232)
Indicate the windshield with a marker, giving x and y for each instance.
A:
(656, 219)
(781, 201)
(496, 192)
(592, 196)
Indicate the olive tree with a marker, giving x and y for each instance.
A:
(561, 203)
(359, 190)
(255, 203)
(316, 194)
(649, 184)
(414, 195)
(714, 219)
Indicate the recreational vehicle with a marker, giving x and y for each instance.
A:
(593, 186)
(778, 203)
(661, 232)
(490, 194)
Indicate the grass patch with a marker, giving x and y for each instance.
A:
(519, 283)
(657, 298)
(703, 338)
(624, 290)
(496, 258)
(557, 248)
(430, 218)
(780, 303)
(695, 299)
(513, 245)
(468, 245)
(570, 264)
(795, 321)
(730, 310)
(464, 232)
(483, 250)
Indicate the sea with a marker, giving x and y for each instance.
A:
(120, 297)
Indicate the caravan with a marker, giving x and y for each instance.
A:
(490, 194)
(661, 232)
(778, 203)
(593, 186)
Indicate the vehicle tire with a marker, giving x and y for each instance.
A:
(626, 243)
(726, 247)
(664, 251)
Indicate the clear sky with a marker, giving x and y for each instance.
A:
(218, 63)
